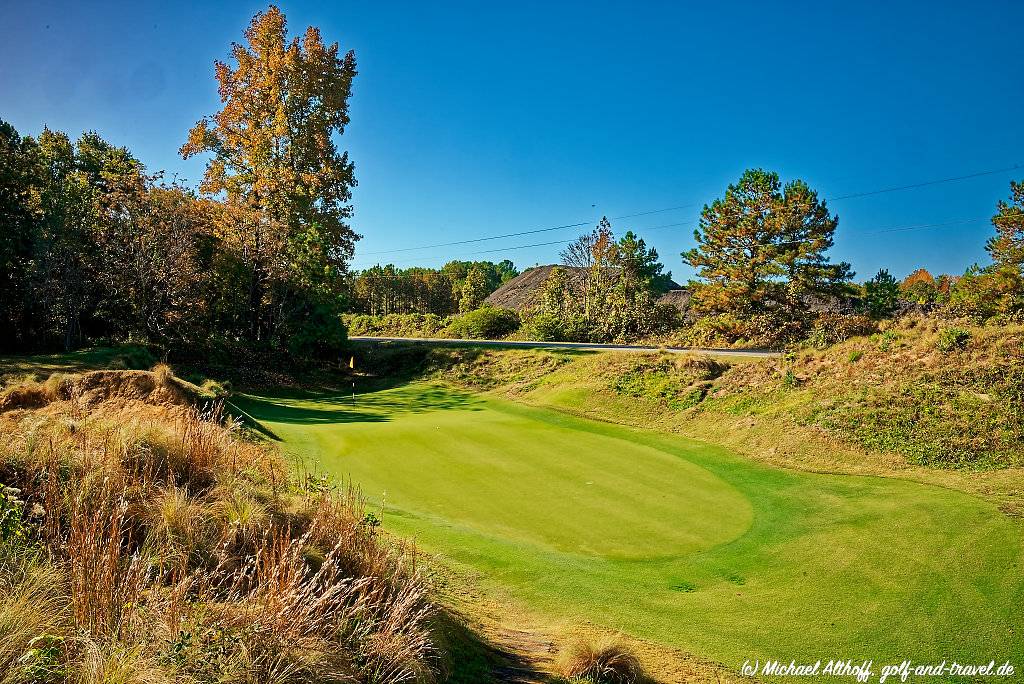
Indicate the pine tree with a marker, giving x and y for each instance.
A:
(1007, 246)
(763, 247)
(881, 294)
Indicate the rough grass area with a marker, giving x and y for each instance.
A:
(144, 541)
(905, 390)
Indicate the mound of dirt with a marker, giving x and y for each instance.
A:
(157, 387)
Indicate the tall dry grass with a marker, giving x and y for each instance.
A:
(607, 661)
(185, 551)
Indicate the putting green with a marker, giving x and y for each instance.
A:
(669, 539)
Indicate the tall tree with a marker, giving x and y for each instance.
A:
(762, 247)
(18, 222)
(474, 290)
(592, 258)
(276, 162)
(1007, 246)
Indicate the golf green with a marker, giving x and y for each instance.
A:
(669, 539)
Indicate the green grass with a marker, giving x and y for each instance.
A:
(670, 539)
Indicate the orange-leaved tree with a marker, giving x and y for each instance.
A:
(275, 162)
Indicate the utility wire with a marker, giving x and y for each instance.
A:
(891, 229)
(913, 186)
(867, 193)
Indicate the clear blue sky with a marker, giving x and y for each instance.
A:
(475, 119)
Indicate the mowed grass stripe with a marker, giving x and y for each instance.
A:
(676, 541)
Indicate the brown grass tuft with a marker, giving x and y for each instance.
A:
(608, 661)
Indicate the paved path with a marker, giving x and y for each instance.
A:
(581, 346)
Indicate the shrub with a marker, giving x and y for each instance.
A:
(855, 355)
(833, 328)
(485, 323)
(318, 335)
(606, 662)
(986, 293)
(545, 327)
(953, 339)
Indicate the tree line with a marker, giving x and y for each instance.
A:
(456, 287)
(94, 247)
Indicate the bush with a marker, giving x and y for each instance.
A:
(953, 339)
(320, 335)
(545, 327)
(986, 293)
(485, 323)
(833, 328)
(397, 325)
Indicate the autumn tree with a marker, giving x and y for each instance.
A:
(592, 258)
(920, 286)
(275, 162)
(153, 239)
(762, 247)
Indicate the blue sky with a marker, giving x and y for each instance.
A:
(477, 119)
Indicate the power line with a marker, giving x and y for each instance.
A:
(843, 235)
(913, 186)
(677, 208)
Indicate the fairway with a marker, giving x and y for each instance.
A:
(669, 539)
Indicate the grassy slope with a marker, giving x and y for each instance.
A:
(780, 564)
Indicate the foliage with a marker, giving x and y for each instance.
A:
(831, 329)
(101, 250)
(1007, 246)
(173, 547)
(285, 184)
(953, 339)
(987, 293)
(922, 288)
(881, 294)
(485, 323)
(398, 325)
(605, 290)
(763, 247)
(473, 291)
(382, 290)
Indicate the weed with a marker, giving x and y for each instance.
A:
(953, 339)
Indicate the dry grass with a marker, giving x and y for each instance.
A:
(173, 548)
(608, 661)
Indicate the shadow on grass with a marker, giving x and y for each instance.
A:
(321, 408)
(470, 658)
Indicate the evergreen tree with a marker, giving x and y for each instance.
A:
(763, 247)
(1007, 246)
(881, 294)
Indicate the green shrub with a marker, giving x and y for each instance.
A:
(855, 355)
(953, 339)
(987, 293)
(545, 327)
(485, 323)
